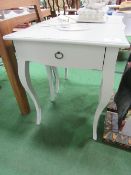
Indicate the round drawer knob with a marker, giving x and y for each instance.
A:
(59, 55)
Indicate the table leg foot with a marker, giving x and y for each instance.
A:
(95, 123)
(38, 118)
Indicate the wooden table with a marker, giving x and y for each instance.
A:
(79, 45)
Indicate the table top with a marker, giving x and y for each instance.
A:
(66, 29)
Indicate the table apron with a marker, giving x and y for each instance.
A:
(61, 55)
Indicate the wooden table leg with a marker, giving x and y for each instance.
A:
(10, 64)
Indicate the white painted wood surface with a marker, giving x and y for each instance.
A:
(58, 30)
(93, 46)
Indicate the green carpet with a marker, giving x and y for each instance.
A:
(62, 144)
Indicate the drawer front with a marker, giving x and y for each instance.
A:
(62, 55)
